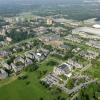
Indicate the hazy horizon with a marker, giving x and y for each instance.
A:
(78, 9)
(38, 1)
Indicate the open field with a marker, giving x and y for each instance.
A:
(94, 70)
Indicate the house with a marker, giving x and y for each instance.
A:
(50, 37)
(64, 47)
(74, 38)
(76, 50)
(28, 46)
(74, 64)
(19, 59)
(45, 52)
(63, 69)
(2, 43)
(4, 53)
(89, 54)
(16, 68)
(5, 65)
(40, 30)
(93, 43)
(29, 55)
(28, 62)
(40, 55)
(3, 74)
(8, 39)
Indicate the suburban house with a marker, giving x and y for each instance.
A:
(5, 65)
(16, 68)
(28, 62)
(19, 59)
(74, 64)
(3, 74)
(89, 54)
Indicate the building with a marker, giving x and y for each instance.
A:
(2, 32)
(49, 21)
(93, 43)
(16, 68)
(28, 62)
(8, 39)
(5, 66)
(63, 69)
(50, 79)
(89, 54)
(74, 64)
(4, 53)
(19, 59)
(87, 31)
(29, 55)
(3, 74)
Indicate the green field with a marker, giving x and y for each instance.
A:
(95, 70)
(30, 88)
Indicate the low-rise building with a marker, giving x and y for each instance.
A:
(28, 62)
(16, 68)
(51, 79)
(74, 38)
(63, 69)
(3, 74)
(74, 64)
(93, 43)
(19, 59)
(89, 54)
(5, 65)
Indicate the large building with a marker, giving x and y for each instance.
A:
(49, 21)
(63, 69)
(87, 32)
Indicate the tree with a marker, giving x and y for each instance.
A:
(52, 63)
(41, 98)
(49, 47)
(32, 67)
(70, 84)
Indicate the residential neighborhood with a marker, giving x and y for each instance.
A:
(48, 53)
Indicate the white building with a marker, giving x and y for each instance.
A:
(49, 21)
(87, 32)
(8, 39)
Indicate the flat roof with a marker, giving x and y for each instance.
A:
(90, 30)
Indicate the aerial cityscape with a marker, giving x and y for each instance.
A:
(49, 49)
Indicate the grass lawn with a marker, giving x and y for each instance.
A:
(20, 90)
(95, 70)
